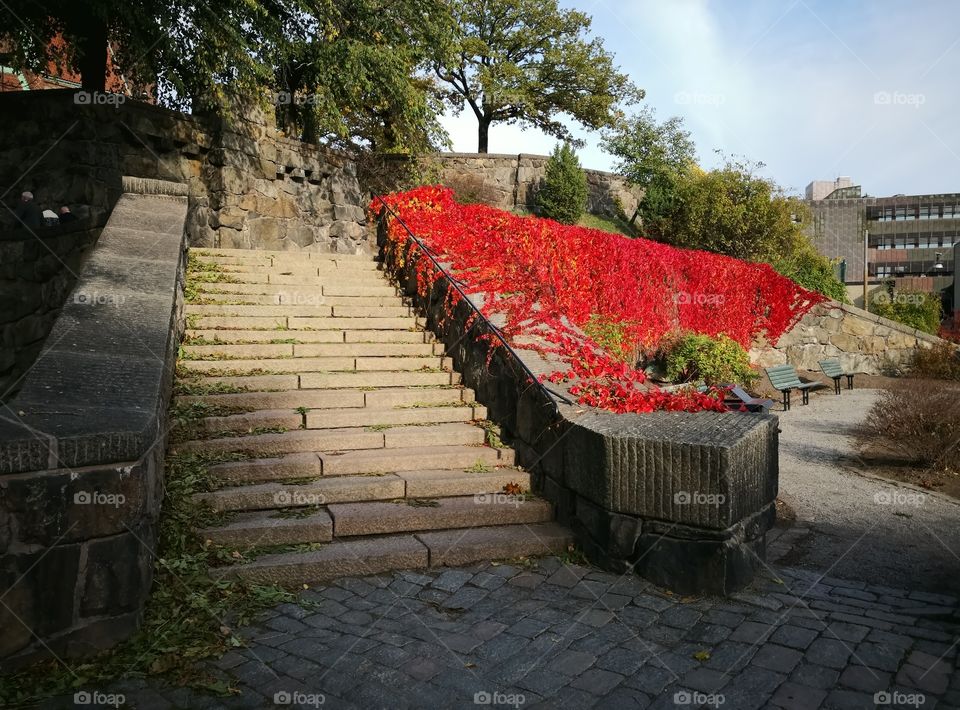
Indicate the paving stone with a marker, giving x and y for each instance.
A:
(706, 680)
(884, 657)
(849, 700)
(724, 618)
(546, 684)
(792, 696)
(930, 682)
(572, 662)
(597, 681)
(651, 679)
(751, 688)
(777, 658)
(622, 698)
(731, 656)
(865, 679)
(807, 674)
(654, 603)
(421, 669)
(567, 576)
(460, 643)
(596, 618)
(793, 637)
(851, 633)
(527, 580)
(828, 652)
(709, 634)
(487, 581)
(464, 598)
(680, 617)
(752, 632)
(621, 661)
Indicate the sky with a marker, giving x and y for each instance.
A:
(814, 89)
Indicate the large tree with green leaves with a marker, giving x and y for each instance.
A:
(528, 62)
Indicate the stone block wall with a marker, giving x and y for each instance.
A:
(82, 444)
(862, 341)
(515, 180)
(684, 500)
(37, 271)
(249, 185)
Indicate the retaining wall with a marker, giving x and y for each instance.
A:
(82, 444)
(682, 499)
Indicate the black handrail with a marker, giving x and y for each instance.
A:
(494, 329)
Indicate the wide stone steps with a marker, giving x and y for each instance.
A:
(340, 423)
(362, 556)
(453, 458)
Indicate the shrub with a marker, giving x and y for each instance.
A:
(918, 420)
(612, 336)
(939, 362)
(813, 271)
(563, 193)
(922, 311)
(699, 358)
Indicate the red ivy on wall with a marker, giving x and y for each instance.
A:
(547, 277)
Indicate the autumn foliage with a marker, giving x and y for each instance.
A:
(551, 279)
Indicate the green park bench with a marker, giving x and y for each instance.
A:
(785, 379)
(831, 368)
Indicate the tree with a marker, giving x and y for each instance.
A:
(563, 194)
(525, 62)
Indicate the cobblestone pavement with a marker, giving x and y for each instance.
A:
(556, 635)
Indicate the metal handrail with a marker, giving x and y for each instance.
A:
(454, 282)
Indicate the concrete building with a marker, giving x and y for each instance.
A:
(819, 189)
(911, 239)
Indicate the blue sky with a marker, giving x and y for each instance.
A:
(813, 88)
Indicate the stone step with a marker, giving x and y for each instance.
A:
(319, 364)
(410, 515)
(356, 278)
(504, 542)
(336, 489)
(341, 558)
(335, 380)
(249, 422)
(298, 255)
(277, 323)
(289, 350)
(362, 461)
(366, 417)
(343, 439)
(251, 383)
(297, 299)
(308, 267)
(319, 310)
(309, 336)
(383, 289)
(336, 399)
(271, 528)
(444, 483)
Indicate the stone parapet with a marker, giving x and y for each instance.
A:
(82, 444)
(683, 499)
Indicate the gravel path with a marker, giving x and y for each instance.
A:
(862, 528)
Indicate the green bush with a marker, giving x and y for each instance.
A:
(813, 271)
(563, 193)
(922, 311)
(693, 357)
(939, 362)
(612, 336)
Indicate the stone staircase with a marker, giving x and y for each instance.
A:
(346, 442)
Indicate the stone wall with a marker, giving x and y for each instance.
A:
(682, 499)
(37, 271)
(862, 341)
(515, 179)
(249, 186)
(82, 444)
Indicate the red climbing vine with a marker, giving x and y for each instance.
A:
(550, 280)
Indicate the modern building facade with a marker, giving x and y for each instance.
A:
(912, 240)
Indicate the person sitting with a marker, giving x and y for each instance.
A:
(28, 211)
(66, 215)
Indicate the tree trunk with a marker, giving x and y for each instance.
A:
(92, 62)
(483, 135)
